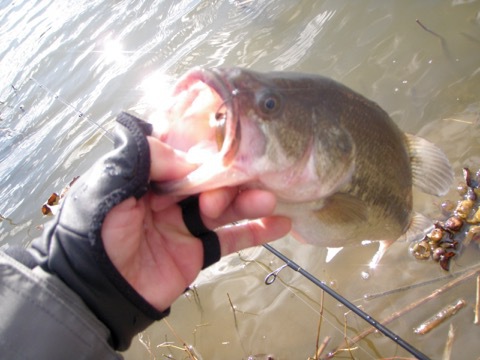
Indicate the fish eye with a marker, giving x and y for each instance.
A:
(269, 104)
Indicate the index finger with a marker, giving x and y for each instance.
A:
(252, 233)
(226, 205)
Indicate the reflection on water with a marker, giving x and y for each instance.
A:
(97, 56)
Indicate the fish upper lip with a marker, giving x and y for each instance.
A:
(216, 79)
(211, 77)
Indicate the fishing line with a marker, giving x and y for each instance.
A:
(80, 113)
(270, 278)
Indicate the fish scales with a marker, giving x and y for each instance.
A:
(380, 148)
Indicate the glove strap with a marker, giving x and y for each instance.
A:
(193, 221)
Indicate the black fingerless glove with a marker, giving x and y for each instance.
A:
(72, 248)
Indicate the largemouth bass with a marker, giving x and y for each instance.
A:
(341, 169)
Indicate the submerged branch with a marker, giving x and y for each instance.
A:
(447, 352)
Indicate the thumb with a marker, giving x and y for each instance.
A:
(167, 163)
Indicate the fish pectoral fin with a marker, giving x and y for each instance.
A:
(341, 209)
(418, 227)
(382, 249)
(431, 169)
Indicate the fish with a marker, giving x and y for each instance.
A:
(340, 167)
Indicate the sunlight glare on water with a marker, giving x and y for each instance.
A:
(68, 67)
(113, 51)
(155, 86)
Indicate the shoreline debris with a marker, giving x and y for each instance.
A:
(461, 227)
(476, 320)
(474, 271)
(49, 207)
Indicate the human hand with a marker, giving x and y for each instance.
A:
(149, 244)
(126, 252)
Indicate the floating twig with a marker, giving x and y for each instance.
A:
(373, 296)
(476, 321)
(442, 39)
(187, 348)
(323, 346)
(319, 327)
(428, 30)
(369, 297)
(193, 291)
(144, 339)
(234, 312)
(447, 353)
(345, 337)
(319, 348)
(439, 317)
(198, 326)
(459, 120)
(472, 234)
(10, 221)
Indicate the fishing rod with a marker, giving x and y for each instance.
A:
(270, 278)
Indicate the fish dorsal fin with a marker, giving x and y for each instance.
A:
(419, 226)
(431, 169)
(341, 209)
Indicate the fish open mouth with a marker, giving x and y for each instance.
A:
(201, 119)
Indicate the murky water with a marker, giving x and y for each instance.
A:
(64, 64)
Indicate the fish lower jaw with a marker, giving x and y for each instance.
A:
(209, 176)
